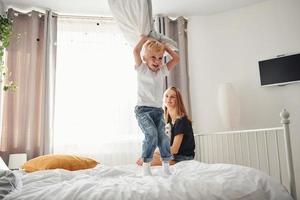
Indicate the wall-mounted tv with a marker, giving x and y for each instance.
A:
(280, 71)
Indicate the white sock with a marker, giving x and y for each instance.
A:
(166, 168)
(146, 169)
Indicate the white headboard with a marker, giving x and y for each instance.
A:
(267, 149)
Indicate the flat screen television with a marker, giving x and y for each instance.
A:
(280, 71)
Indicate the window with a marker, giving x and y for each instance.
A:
(95, 92)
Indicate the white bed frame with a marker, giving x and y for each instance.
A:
(272, 147)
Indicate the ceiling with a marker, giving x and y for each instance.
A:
(101, 8)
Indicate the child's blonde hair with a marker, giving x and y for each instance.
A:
(153, 46)
(180, 108)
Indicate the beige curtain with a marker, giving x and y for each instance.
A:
(27, 115)
(179, 77)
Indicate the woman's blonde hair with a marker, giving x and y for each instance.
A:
(180, 108)
(153, 46)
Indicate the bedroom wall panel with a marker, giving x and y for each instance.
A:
(226, 47)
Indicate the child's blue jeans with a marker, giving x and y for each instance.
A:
(150, 120)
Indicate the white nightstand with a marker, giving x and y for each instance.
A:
(16, 160)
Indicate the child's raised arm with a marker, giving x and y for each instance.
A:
(137, 50)
(175, 57)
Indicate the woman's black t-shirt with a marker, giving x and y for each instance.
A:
(184, 126)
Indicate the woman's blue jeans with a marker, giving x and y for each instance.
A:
(179, 158)
(151, 122)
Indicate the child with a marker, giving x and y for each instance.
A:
(182, 136)
(151, 75)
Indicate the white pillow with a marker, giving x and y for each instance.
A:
(135, 18)
(3, 166)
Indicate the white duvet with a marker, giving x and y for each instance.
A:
(189, 180)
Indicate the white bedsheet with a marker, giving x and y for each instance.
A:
(189, 180)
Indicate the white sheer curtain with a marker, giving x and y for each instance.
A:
(95, 92)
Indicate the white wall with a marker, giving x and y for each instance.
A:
(226, 47)
(2, 10)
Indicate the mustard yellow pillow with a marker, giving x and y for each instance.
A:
(58, 161)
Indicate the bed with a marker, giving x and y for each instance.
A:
(193, 179)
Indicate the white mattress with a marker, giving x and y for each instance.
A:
(189, 180)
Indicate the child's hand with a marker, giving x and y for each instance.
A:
(165, 44)
(144, 37)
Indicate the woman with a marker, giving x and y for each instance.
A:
(182, 136)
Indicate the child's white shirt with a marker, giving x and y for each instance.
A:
(150, 85)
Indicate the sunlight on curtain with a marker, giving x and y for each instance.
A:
(95, 92)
